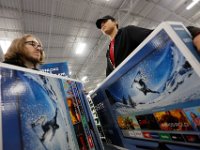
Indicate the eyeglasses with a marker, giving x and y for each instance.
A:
(35, 45)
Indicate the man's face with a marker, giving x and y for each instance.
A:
(107, 26)
(32, 50)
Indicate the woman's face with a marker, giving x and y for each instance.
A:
(32, 50)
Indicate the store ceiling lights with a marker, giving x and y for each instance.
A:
(4, 45)
(84, 79)
(192, 4)
(98, 84)
(91, 91)
(80, 48)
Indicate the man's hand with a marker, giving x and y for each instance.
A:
(196, 42)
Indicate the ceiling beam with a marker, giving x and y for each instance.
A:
(44, 33)
(50, 27)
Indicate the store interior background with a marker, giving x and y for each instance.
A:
(68, 32)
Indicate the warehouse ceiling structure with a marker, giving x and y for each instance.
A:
(65, 26)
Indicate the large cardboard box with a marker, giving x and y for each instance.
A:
(154, 94)
(35, 111)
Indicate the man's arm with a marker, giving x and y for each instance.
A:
(195, 32)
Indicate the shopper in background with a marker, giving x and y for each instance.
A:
(123, 41)
(26, 52)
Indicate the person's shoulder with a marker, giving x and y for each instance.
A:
(133, 28)
(13, 62)
(129, 27)
(8, 62)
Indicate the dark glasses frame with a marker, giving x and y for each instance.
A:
(34, 44)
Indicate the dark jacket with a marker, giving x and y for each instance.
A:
(129, 38)
(17, 63)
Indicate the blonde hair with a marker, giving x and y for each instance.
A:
(17, 49)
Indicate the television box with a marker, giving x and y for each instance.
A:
(177, 33)
(34, 113)
(159, 79)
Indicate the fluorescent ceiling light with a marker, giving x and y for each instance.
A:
(91, 91)
(98, 84)
(80, 48)
(4, 45)
(194, 2)
(84, 78)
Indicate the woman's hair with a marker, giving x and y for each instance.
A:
(16, 50)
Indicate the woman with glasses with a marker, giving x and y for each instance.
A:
(26, 52)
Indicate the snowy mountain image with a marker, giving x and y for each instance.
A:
(38, 113)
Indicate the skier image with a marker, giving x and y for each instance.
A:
(141, 85)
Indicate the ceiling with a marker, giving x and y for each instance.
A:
(63, 24)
